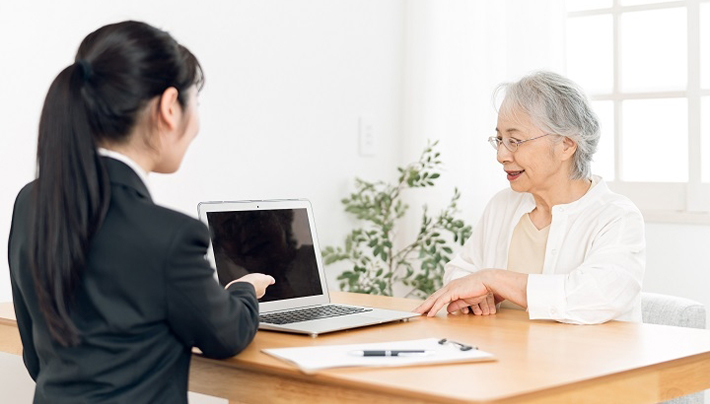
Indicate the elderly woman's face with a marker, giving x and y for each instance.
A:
(537, 165)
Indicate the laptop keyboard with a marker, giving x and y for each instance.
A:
(311, 313)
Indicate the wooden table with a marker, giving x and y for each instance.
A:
(538, 362)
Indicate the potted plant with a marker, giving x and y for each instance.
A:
(376, 264)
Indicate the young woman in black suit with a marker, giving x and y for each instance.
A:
(110, 290)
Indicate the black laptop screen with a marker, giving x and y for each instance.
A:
(274, 242)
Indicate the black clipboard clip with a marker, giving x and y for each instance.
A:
(460, 346)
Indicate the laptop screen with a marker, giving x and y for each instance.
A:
(276, 242)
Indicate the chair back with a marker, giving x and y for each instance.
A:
(677, 311)
(671, 310)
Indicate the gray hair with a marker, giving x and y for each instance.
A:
(557, 105)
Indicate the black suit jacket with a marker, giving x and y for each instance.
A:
(146, 298)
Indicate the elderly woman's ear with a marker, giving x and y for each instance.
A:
(569, 146)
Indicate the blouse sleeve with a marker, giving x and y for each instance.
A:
(607, 283)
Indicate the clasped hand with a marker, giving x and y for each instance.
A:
(466, 294)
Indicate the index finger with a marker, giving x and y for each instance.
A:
(426, 305)
(440, 302)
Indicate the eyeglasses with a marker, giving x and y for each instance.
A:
(509, 143)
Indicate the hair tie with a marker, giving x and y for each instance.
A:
(86, 70)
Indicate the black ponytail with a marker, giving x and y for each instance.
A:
(71, 198)
(118, 70)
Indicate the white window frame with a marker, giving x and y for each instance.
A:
(687, 202)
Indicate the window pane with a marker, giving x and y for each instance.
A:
(654, 50)
(639, 2)
(590, 52)
(655, 140)
(604, 157)
(705, 45)
(581, 5)
(705, 138)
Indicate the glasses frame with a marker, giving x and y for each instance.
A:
(495, 141)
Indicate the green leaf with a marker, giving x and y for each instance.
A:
(378, 206)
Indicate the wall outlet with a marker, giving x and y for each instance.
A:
(368, 136)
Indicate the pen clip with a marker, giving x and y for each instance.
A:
(460, 346)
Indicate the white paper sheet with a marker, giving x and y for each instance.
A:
(313, 358)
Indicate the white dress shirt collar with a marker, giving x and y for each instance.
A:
(142, 174)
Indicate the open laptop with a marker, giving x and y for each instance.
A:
(278, 237)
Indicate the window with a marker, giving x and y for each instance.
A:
(646, 67)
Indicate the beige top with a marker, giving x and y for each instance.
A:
(527, 250)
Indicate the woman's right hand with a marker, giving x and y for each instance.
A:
(484, 308)
(260, 282)
(469, 291)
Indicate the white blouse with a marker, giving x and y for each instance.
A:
(594, 259)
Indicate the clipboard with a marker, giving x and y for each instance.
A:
(311, 359)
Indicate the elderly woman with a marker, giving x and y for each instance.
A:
(558, 243)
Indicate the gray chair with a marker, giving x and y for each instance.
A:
(679, 312)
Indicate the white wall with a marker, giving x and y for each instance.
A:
(456, 54)
(677, 261)
(286, 84)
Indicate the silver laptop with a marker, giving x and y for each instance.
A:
(278, 237)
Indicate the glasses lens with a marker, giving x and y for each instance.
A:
(510, 144)
(494, 141)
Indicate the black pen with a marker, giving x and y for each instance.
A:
(398, 352)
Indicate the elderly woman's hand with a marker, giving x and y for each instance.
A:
(483, 308)
(460, 294)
